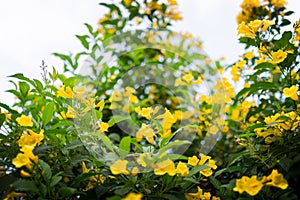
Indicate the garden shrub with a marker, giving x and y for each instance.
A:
(143, 113)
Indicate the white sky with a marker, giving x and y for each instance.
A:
(31, 30)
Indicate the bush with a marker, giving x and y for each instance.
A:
(149, 115)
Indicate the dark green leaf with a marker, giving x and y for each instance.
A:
(66, 191)
(46, 169)
(55, 180)
(2, 118)
(25, 185)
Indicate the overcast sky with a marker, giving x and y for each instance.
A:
(31, 30)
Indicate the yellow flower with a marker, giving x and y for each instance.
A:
(25, 174)
(182, 169)
(119, 167)
(31, 139)
(249, 55)
(198, 195)
(104, 127)
(21, 160)
(266, 25)
(144, 112)
(100, 104)
(279, 56)
(279, 3)
(245, 31)
(66, 94)
(27, 150)
(24, 120)
(187, 77)
(179, 82)
(134, 171)
(133, 196)
(250, 185)
(193, 161)
(167, 123)
(146, 131)
(291, 92)
(255, 25)
(133, 99)
(127, 2)
(13, 195)
(277, 180)
(164, 167)
(115, 96)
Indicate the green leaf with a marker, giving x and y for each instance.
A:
(55, 180)
(83, 40)
(247, 41)
(284, 40)
(38, 85)
(124, 146)
(237, 157)
(22, 77)
(288, 13)
(48, 113)
(25, 185)
(89, 27)
(173, 144)
(24, 88)
(106, 141)
(46, 169)
(2, 118)
(264, 65)
(66, 191)
(6, 107)
(197, 169)
(116, 119)
(215, 182)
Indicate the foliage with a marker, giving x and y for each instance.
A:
(136, 114)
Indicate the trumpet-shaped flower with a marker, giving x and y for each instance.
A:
(146, 131)
(32, 139)
(182, 169)
(277, 180)
(164, 167)
(68, 93)
(24, 120)
(133, 196)
(279, 56)
(104, 126)
(250, 185)
(193, 161)
(291, 92)
(119, 167)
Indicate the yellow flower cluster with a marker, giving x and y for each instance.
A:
(27, 142)
(168, 167)
(94, 180)
(250, 7)
(204, 160)
(252, 185)
(199, 195)
(250, 29)
(66, 93)
(277, 124)
(247, 10)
